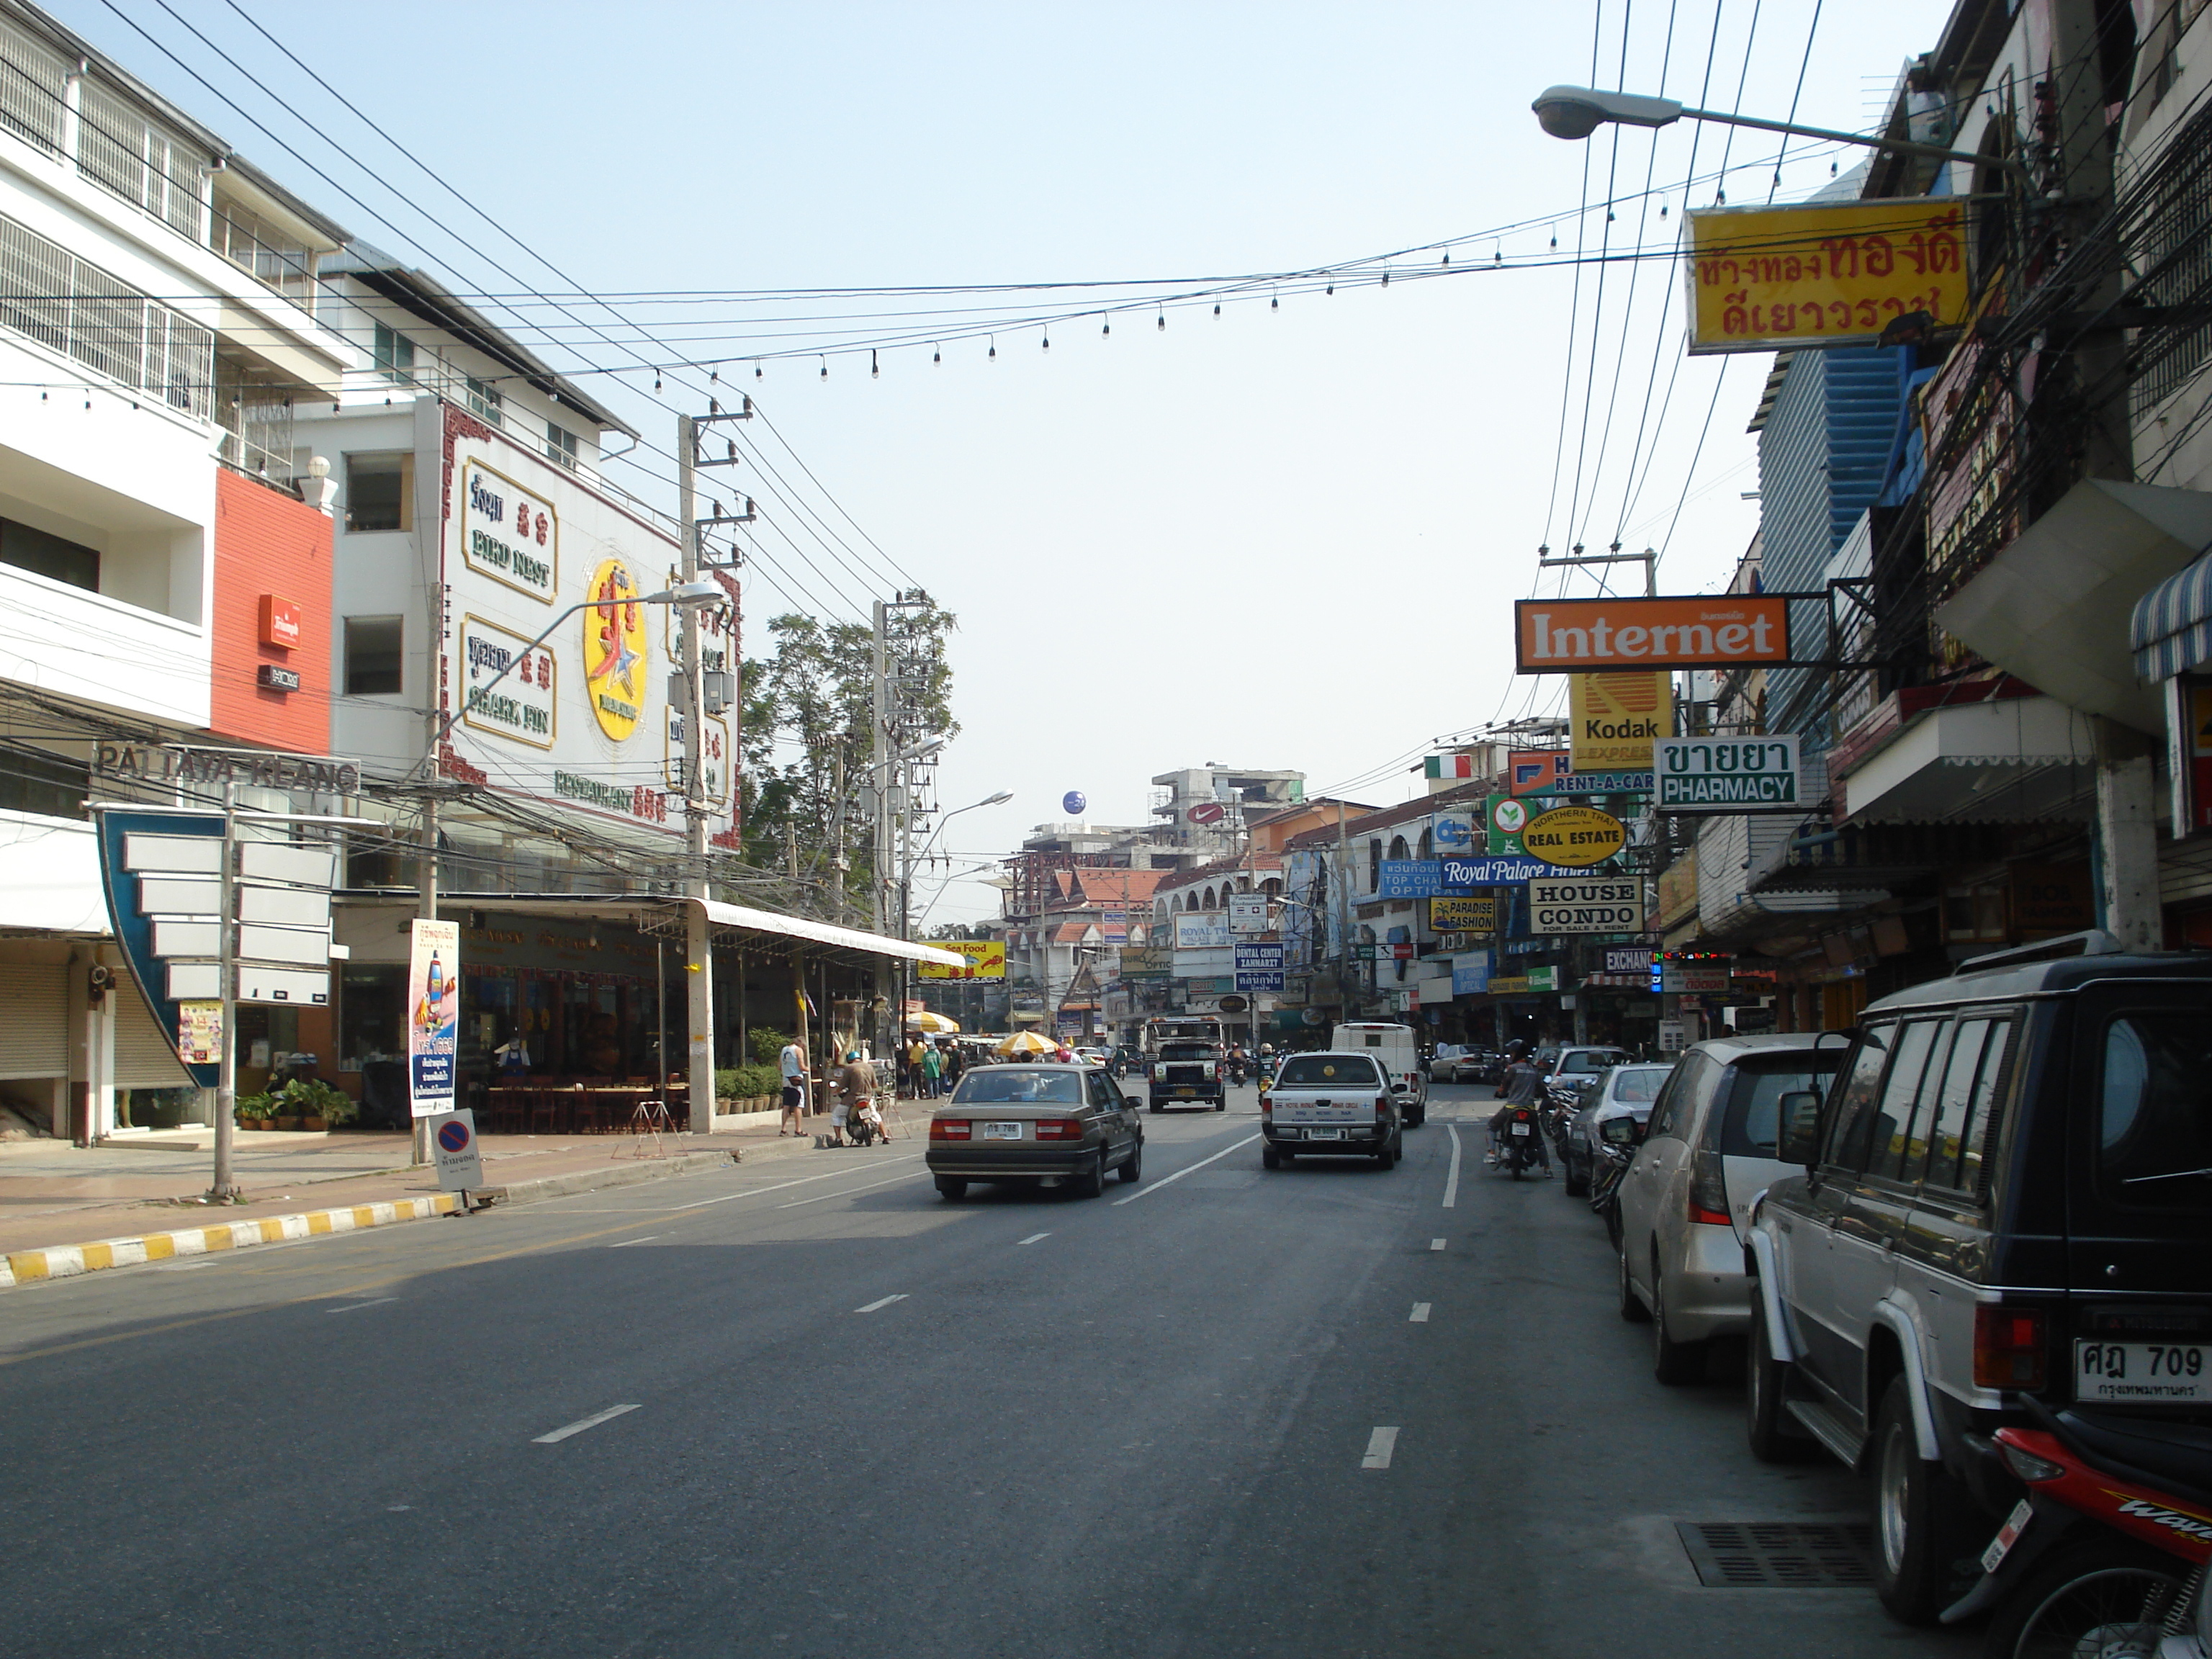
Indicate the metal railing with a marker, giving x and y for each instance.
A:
(80, 311)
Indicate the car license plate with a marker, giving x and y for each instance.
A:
(1186, 1091)
(2008, 1536)
(1324, 1134)
(1520, 1128)
(1002, 1132)
(2178, 1373)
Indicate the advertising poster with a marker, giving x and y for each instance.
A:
(1613, 719)
(1727, 775)
(199, 1033)
(1582, 636)
(1504, 817)
(1469, 914)
(1575, 836)
(434, 1017)
(985, 958)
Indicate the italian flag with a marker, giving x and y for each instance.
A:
(1452, 766)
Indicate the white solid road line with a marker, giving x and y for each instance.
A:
(874, 1307)
(1171, 1180)
(1032, 1238)
(700, 1203)
(1451, 1181)
(374, 1302)
(823, 1198)
(579, 1427)
(1419, 1316)
(1380, 1445)
(627, 1243)
(1435, 1243)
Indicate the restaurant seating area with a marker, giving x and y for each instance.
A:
(585, 1105)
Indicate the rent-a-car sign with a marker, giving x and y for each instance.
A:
(1717, 630)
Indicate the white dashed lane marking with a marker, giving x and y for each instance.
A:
(1435, 1243)
(885, 1302)
(581, 1424)
(1380, 1445)
(1032, 1238)
(1419, 1316)
(1451, 1179)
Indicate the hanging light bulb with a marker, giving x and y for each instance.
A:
(937, 352)
(1047, 340)
(714, 378)
(1105, 323)
(1663, 209)
(1831, 169)
(1331, 289)
(759, 372)
(875, 369)
(1216, 307)
(825, 368)
(994, 348)
(1163, 319)
(1555, 239)
(1720, 198)
(656, 379)
(1275, 302)
(1447, 256)
(1386, 275)
(1497, 256)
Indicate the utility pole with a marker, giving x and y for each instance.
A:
(225, 1088)
(698, 937)
(1344, 916)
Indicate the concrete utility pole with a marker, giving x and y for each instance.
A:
(698, 936)
(1344, 916)
(225, 1088)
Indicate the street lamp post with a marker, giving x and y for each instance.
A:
(906, 893)
(1577, 112)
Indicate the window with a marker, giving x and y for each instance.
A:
(44, 784)
(1005, 1086)
(1846, 1147)
(1975, 913)
(484, 401)
(561, 445)
(1637, 1083)
(373, 648)
(1354, 1072)
(1374, 865)
(52, 557)
(392, 355)
(1959, 1121)
(1677, 1100)
(1889, 1142)
(2154, 1110)
(1752, 1126)
(378, 491)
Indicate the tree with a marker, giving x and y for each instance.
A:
(809, 705)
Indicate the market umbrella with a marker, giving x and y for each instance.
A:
(931, 1024)
(1025, 1042)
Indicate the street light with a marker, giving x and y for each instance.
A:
(1577, 112)
(906, 875)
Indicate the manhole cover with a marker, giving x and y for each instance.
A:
(1777, 1554)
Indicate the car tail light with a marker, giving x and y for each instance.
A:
(1382, 1105)
(2007, 1347)
(1709, 1201)
(950, 1128)
(1059, 1129)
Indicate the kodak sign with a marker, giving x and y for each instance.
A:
(1719, 630)
(1614, 718)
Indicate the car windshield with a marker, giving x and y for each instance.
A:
(1754, 1098)
(1638, 1082)
(2154, 1110)
(1329, 1071)
(1017, 1086)
(1188, 1051)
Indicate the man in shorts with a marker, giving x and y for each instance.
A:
(793, 1063)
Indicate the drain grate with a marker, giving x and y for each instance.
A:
(1777, 1554)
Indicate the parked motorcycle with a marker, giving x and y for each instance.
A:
(1517, 1142)
(1617, 1141)
(2107, 1554)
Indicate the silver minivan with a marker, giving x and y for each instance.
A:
(1685, 1202)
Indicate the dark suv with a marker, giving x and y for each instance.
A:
(2008, 1192)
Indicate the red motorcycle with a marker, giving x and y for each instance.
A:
(2107, 1554)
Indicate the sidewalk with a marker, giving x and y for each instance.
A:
(56, 1199)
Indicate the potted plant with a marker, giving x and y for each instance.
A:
(319, 1106)
(257, 1111)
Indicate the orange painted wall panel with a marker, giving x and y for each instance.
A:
(267, 543)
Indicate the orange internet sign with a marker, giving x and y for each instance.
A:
(1721, 631)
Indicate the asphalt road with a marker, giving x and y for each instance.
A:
(808, 1407)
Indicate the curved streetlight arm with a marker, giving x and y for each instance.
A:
(1577, 112)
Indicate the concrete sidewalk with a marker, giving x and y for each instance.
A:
(66, 1210)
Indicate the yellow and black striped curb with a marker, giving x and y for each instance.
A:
(68, 1261)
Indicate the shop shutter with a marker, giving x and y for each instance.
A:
(143, 1059)
(34, 1020)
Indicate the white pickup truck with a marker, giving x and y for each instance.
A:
(1333, 1104)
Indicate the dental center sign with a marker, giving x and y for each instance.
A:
(1721, 630)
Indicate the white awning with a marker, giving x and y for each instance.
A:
(2054, 607)
(50, 877)
(2011, 760)
(822, 932)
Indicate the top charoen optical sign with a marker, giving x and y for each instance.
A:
(1832, 274)
(1719, 630)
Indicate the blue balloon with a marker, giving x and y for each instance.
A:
(1072, 802)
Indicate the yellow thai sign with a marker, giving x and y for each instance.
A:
(614, 651)
(1834, 274)
(987, 959)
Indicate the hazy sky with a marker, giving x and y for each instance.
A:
(1285, 536)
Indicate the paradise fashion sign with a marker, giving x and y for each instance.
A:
(1834, 274)
(1727, 775)
(1721, 630)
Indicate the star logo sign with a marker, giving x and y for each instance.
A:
(618, 659)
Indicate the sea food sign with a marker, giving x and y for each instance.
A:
(509, 534)
(1834, 274)
(1726, 775)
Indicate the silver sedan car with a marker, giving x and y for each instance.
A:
(1048, 1124)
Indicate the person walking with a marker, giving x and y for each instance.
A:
(791, 1062)
(916, 1052)
(932, 1073)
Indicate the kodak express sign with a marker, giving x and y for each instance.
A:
(1718, 630)
(1614, 718)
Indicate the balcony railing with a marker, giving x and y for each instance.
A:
(80, 311)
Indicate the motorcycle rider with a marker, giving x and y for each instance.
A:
(1521, 1086)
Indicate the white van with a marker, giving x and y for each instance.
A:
(1400, 1052)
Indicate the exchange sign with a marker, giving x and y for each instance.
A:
(1575, 837)
(1600, 904)
(1726, 775)
(1831, 274)
(1718, 630)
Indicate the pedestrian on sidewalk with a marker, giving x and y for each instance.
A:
(916, 1052)
(933, 1072)
(793, 1063)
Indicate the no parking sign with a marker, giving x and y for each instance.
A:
(453, 1144)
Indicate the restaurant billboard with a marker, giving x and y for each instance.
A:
(1825, 274)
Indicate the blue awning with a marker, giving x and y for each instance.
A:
(2172, 628)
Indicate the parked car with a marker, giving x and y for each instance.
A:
(1685, 1201)
(1469, 1065)
(1398, 1052)
(1338, 1104)
(1571, 1065)
(2006, 1195)
(1050, 1124)
(1624, 1092)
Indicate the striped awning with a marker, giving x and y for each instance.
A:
(2172, 628)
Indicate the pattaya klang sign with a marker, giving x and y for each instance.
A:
(1834, 274)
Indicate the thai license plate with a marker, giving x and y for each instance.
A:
(1002, 1132)
(1186, 1091)
(2008, 1536)
(2146, 1373)
(1324, 1134)
(1520, 1128)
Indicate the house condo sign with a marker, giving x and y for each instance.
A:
(1725, 630)
(509, 534)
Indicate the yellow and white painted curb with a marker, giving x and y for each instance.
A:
(68, 1261)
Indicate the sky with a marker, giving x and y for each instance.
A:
(1288, 536)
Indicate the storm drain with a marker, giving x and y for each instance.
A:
(1777, 1554)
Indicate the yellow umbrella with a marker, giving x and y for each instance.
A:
(931, 1025)
(1025, 1042)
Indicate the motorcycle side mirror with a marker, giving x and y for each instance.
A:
(1800, 1139)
